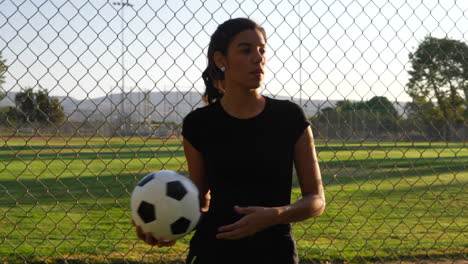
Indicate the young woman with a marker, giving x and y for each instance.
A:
(241, 149)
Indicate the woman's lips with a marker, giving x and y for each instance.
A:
(257, 72)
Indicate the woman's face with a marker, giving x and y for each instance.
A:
(245, 60)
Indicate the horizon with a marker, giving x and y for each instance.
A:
(199, 93)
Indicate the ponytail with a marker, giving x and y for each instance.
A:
(212, 94)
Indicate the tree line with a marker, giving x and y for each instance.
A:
(363, 119)
(33, 108)
(437, 85)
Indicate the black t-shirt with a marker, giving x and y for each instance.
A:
(249, 162)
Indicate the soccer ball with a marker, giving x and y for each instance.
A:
(166, 204)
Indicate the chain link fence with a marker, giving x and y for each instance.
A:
(93, 93)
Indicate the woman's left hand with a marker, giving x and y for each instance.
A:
(254, 220)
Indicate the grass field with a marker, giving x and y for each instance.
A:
(67, 200)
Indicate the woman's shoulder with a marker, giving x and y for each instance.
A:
(284, 104)
(200, 112)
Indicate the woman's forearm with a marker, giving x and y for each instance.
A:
(309, 206)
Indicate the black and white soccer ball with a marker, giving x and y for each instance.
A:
(166, 204)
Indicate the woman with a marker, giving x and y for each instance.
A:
(240, 150)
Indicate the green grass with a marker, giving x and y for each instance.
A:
(67, 200)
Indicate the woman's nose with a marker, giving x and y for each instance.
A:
(258, 57)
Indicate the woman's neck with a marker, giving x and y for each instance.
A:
(243, 104)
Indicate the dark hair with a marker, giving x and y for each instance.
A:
(220, 41)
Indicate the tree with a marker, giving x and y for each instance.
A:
(381, 104)
(439, 78)
(8, 116)
(383, 113)
(25, 104)
(327, 122)
(376, 116)
(48, 109)
(38, 107)
(3, 70)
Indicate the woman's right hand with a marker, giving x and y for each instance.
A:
(150, 240)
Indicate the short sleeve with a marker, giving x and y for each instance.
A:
(299, 121)
(190, 130)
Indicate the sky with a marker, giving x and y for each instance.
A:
(317, 49)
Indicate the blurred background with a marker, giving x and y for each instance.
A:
(93, 93)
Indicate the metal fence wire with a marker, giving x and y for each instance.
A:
(93, 93)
